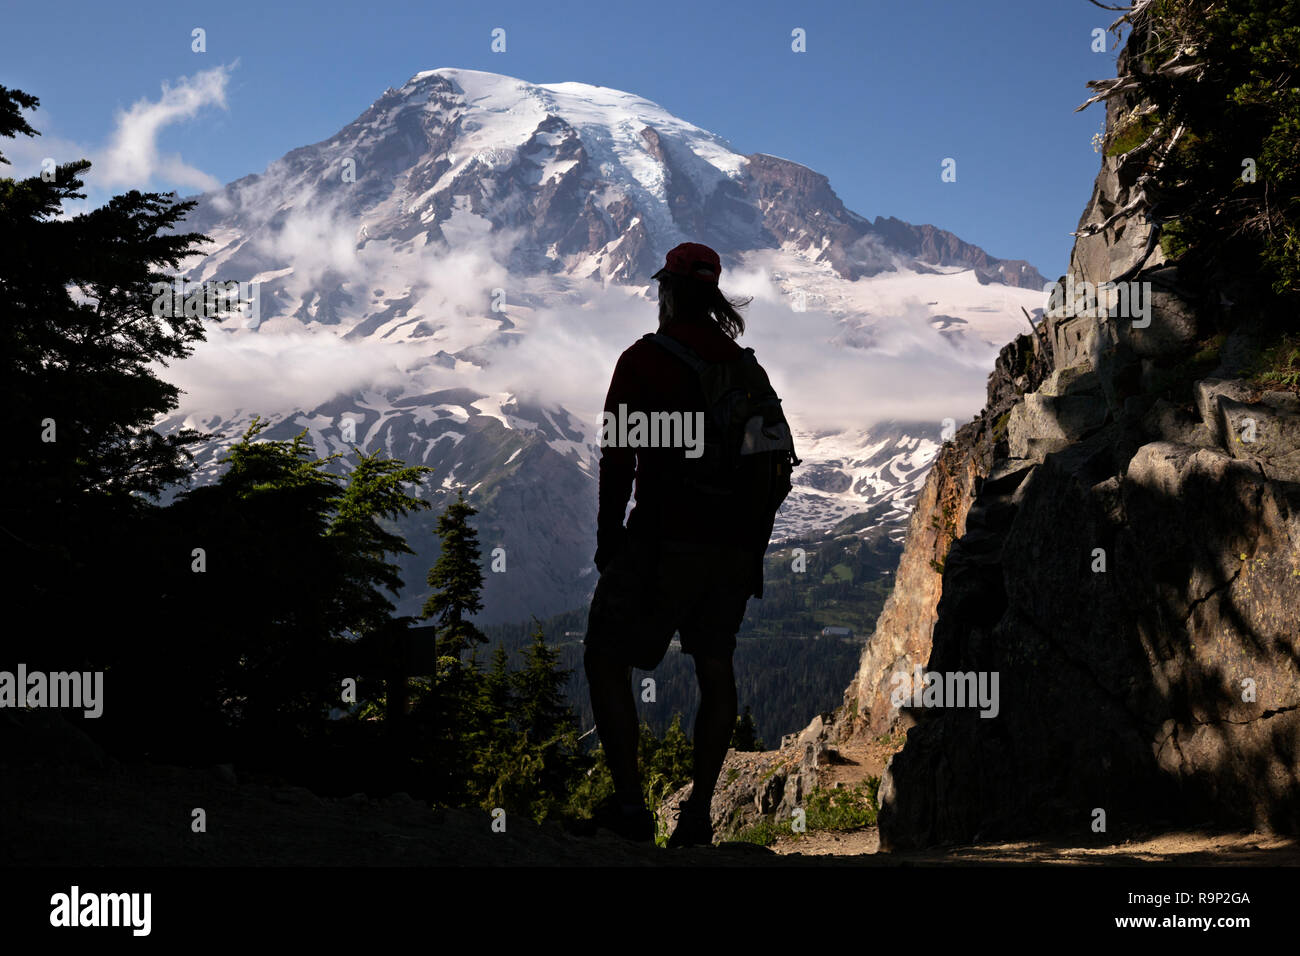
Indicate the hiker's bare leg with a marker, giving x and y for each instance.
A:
(610, 681)
(715, 723)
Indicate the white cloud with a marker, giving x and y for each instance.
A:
(132, 157)
(888, 362)
(903, 369)
(564, 354)
(269, 374)
(909, 372)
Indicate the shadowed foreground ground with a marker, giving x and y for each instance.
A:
(139, 815)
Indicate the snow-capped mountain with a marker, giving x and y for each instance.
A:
(879, 469)
(456, 271)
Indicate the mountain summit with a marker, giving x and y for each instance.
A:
(455, 272)
(597, 182)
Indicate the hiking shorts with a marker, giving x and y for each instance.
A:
(650, 591)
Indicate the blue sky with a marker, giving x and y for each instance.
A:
(884, 93)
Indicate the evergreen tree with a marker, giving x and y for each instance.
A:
(490, 734)
(547, 725)
(496, 701)
(456, 579)
(225, 609)
(262, 526)
(375, 490)
(543, 709)
(450, 711)
(746, 735)
(79, 345)
(302, 552)
(592, 783)
(667, 764)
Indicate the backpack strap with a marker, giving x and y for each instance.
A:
(683, 352)
(687, 354)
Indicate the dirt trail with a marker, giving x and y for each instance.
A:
(141, 816)
(1184, 847)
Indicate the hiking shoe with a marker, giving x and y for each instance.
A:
(694, 827)
(635, 823)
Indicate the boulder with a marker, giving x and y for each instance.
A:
(1165, 421)
(1074, 379)
(1207, 392)
(1174, 323)
(1043, 424)
(1080, 340)
(1267, 432)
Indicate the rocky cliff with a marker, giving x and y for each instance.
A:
(1116, 538)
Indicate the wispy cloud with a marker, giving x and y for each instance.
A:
(132, 157)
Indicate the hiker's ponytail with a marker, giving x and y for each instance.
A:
(686, 299)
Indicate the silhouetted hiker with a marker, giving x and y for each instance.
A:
(691, 416)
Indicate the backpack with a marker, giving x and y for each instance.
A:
(748, 455)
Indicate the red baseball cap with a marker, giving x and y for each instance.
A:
(692, 259)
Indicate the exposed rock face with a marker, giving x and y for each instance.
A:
(771, 784)
(902, 638)
(1126, 561)
(930, 244)
(1117, 538)
(1164, 687)
(798, 206)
